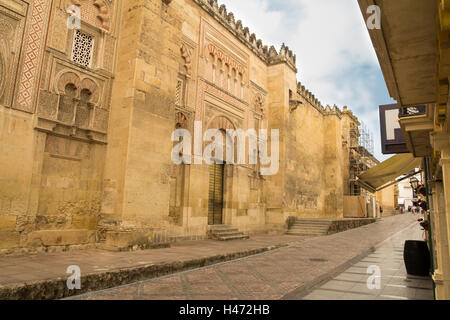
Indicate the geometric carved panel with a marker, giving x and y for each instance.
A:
(11, 29)
(83, 48)
(2, 69)
(101, 119)
(33, 48)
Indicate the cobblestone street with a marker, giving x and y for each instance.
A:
(284, 273)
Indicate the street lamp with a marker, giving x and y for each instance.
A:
(414, 182)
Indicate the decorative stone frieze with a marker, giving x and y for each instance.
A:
(226, 59)
(103, 14)
(269, 56)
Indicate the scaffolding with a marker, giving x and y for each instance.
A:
(361, 155)
(366, 138)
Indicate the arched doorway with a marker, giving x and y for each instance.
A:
(217, 178)
(215, 202)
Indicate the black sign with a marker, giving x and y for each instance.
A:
(392, 140)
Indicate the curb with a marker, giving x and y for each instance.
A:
(57, 288)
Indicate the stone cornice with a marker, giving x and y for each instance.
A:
(269, 55)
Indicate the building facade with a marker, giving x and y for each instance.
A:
(87, 114)
(415, 59)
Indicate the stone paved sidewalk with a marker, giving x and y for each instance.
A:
(271, 275)
(394, 283)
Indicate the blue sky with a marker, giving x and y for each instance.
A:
(335, 56)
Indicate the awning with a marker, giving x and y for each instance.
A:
(387, 172)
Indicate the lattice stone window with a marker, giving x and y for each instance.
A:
(179, 93)
(83, 48)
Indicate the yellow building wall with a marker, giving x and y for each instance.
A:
(64, 184)
(386, 199)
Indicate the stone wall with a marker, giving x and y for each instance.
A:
(355, 206)
(54, 122)
(347, 224)
(385, 199)
(86, 129)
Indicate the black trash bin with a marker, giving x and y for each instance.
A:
(417, 258)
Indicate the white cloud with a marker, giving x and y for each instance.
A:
(335, 57)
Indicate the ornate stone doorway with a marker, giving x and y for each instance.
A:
(215, 203)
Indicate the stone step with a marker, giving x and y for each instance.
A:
(227, 234)
(221, 231)
(313, 234)
(311, 224)
(315, 220)
(220, 227)
(306, 233)
(234, 237)
(309, 230)
(311, 227)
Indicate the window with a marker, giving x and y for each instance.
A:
(83, 48)
(179, 94)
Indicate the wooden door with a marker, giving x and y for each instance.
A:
(215, 203)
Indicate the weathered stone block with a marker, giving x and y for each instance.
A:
(9, 239)
(84, 222)
(7, 223)
(60, 237)
(128, 239)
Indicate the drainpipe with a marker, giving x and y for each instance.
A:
(427, 169)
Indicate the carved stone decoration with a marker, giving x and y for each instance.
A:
(82, 108)
(227, 60)
(48, 104)
(103, 14)
(79, 102)
(187, 58)
(70, 77)
(221, 123)
(2, 73)
(59, 31)
(92, 87)
(83, 49)
(11, 28)
(180, 121)
(259, 103)
(101, 117)
(108, 59)
(67, 104)
(83, 116)
(33, 49)
(65, 79)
